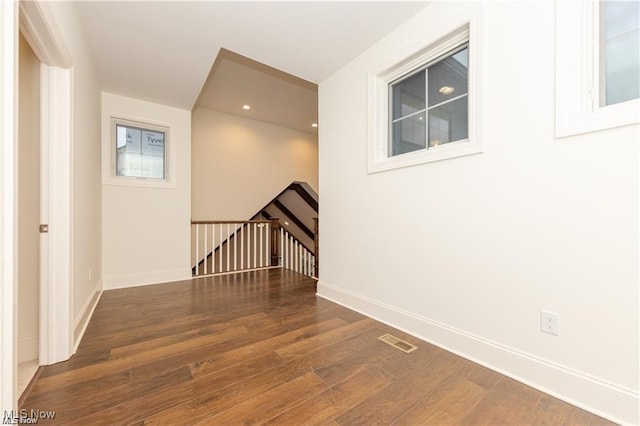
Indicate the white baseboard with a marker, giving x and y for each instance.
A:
(82, 320)
(28, 349)
(112, 282)
(608, 400)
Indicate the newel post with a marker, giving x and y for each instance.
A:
(316, 245)
(275, 241)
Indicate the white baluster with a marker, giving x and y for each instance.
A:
(261, 232)
(287, 247)
(205, 249)
(249, 245)
(228, 248)
(235, 247)
(242, 246)
(197, 251)
(267, 247)
(255, 245)
(281, 261)
(220, 248)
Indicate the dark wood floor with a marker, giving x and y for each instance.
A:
(260, 347)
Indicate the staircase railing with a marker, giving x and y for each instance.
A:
(230, 246)
(296, 256)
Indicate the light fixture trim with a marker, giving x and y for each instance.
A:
(446, 90)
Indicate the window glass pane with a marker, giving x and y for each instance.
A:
(449, 122)
(448, 78)
(408, 95)
(153, 154)
(139, 153)
(409, 134)
(620, 51)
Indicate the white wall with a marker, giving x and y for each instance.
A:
(239, 165)
(86, 187)
(146, 231)
(28, 203)
(466, 252)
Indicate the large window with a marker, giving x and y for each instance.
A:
(597, 65)
(140, 150)
(429, 106)
(619, 51)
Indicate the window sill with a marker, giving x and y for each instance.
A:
(443, 152)
(139, 182)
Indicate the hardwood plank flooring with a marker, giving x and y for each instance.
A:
(260, 347)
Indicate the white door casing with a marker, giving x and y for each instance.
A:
(8, 202)
(39, 28)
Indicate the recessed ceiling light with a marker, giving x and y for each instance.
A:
(245, 106)
(446, 90)
(314, 125)
(286, 223)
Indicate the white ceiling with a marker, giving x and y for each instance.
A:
(163, 51)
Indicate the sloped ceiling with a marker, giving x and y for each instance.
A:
(274, 96)
(163, 51)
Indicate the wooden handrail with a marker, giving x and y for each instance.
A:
(227, 222)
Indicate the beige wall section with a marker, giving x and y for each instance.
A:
(28, 203)
(146, 231)
(86, 211)
(239, 165)
(480, 244)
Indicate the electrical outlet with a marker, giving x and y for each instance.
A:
(550, 323)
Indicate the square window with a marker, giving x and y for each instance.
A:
(433, 97)
(427, 107)
(140, 150)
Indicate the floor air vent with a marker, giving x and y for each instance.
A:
(397, 343)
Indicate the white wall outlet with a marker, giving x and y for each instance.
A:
(550, 323)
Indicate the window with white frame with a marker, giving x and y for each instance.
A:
(597, 65)
(139, 150)
(424, 109)
(429, 107)
(619, 51)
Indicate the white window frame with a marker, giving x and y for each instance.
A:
(109, 176)
(378, 158)
(578, 69)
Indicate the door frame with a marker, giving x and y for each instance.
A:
(8, 202)
(37, 21)
(39, 28)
